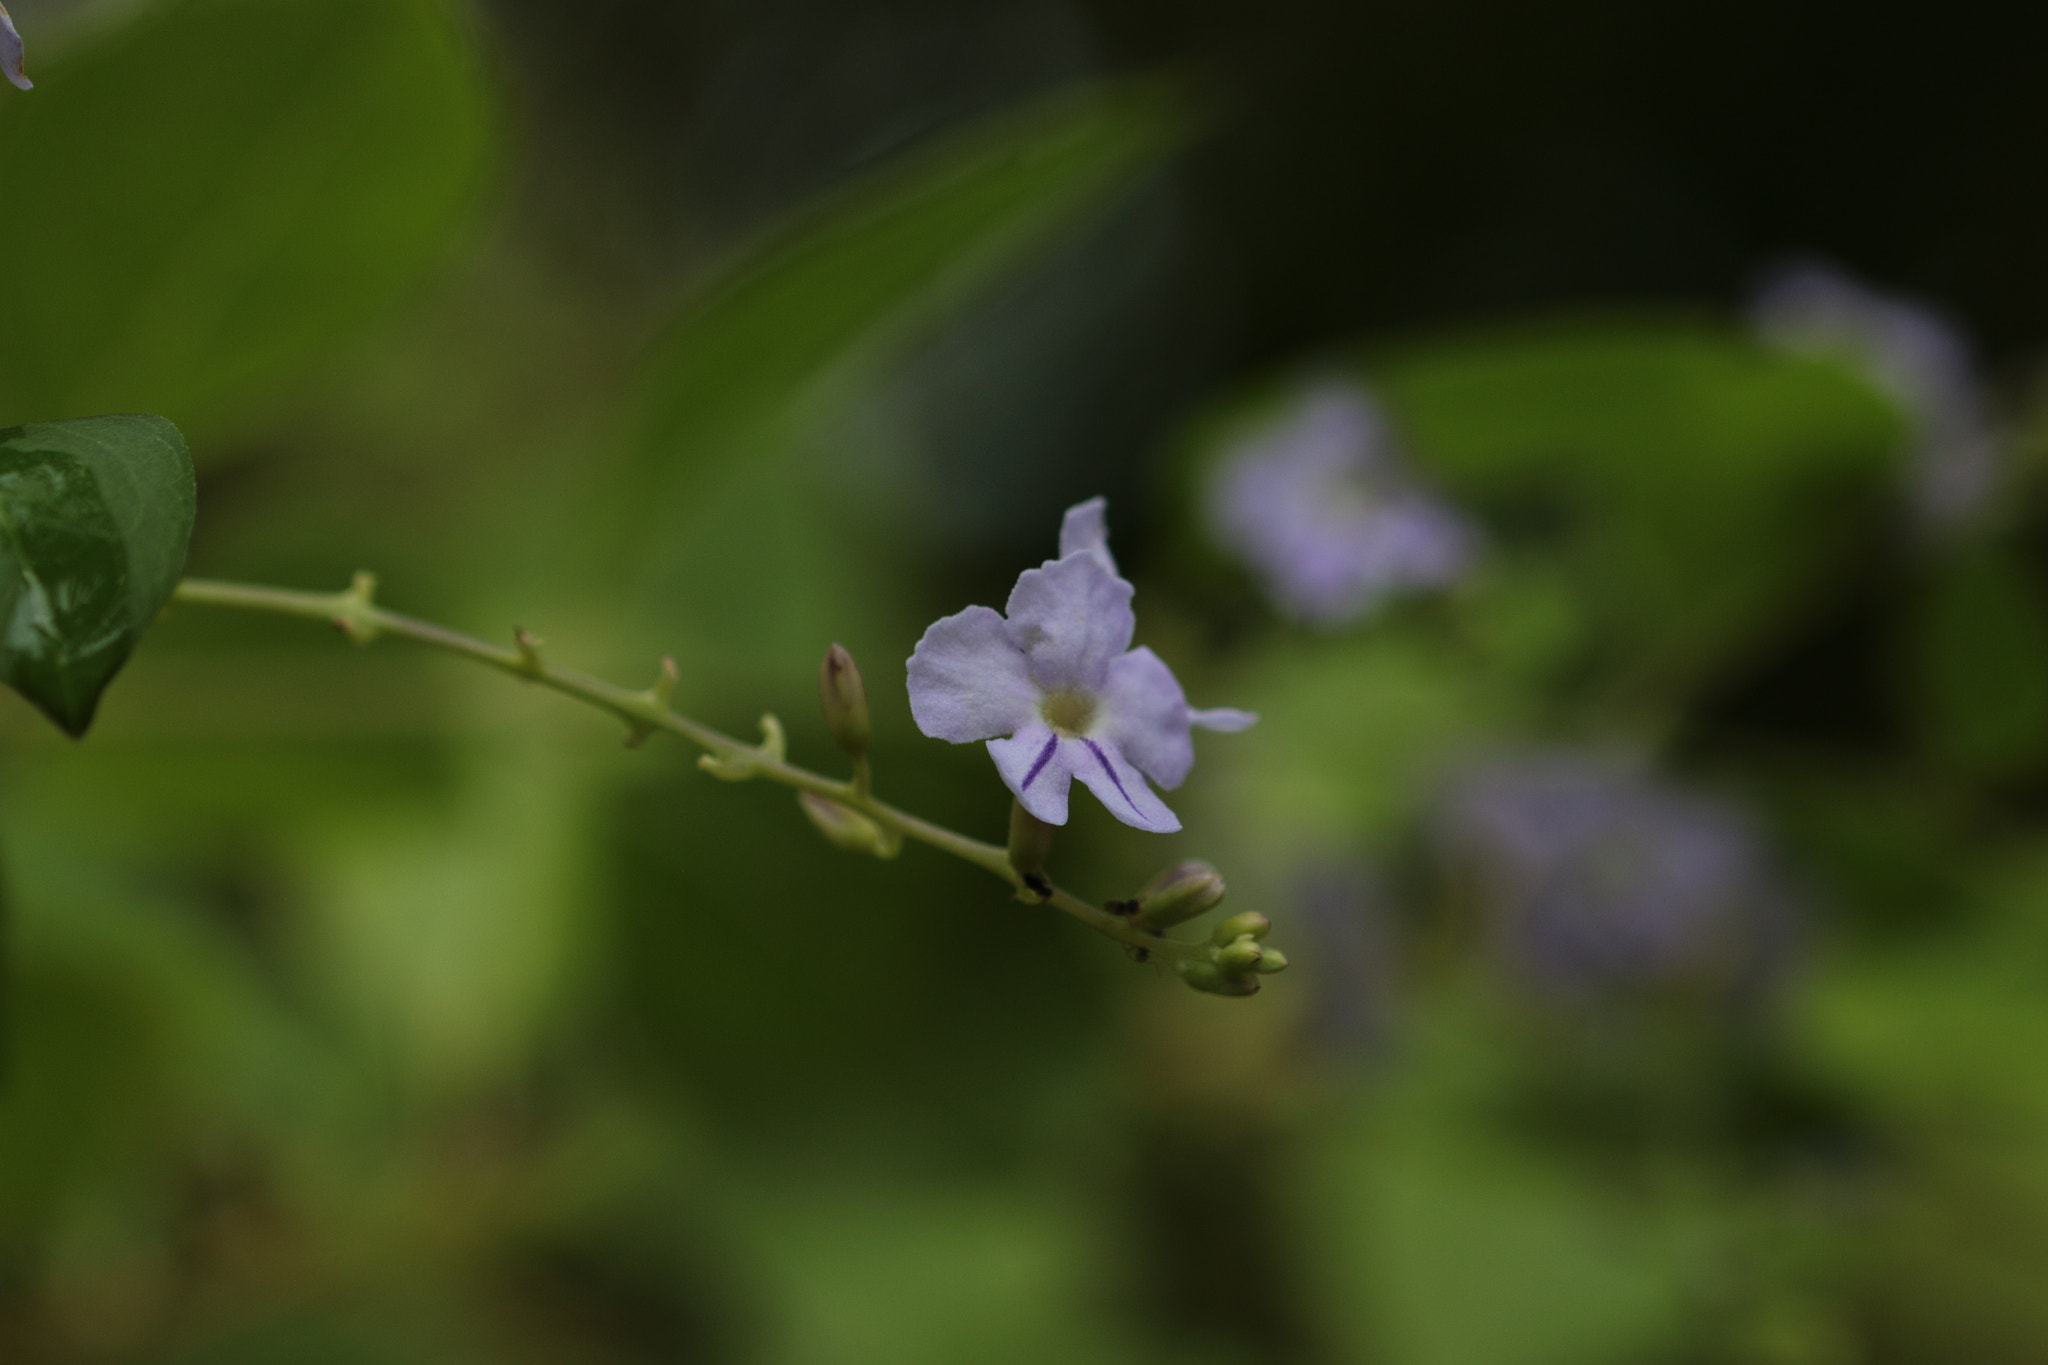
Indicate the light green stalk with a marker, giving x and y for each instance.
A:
(357, 614)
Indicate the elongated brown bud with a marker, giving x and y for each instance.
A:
(845, 699)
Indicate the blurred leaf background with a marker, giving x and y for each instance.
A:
(361, 1010)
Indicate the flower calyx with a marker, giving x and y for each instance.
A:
(1030, 847)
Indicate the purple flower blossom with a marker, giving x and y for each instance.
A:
(1596, 878)
(1318, 507)
(1910, 352)
(11, 53)
(1055, 688)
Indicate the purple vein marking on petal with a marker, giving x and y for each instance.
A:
(1103, 759)
(1038, 764)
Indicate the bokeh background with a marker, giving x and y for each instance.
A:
(1667, 886)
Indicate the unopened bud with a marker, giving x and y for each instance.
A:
(1249, 923)
(1240, 956)
(1271, 960)
(1178, 894)
(1211, 979)
(1030, 846)
(846, 828)
(845, 699)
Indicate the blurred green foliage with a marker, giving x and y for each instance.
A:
(219, 192)
(362, 1010)
(1690, 482)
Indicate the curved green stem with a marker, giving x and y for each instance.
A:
(357, 615)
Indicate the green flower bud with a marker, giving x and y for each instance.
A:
(1211, 979)
(846, 828)
(845, 699)
(1251, 922)
(1271, 960)
(1178, 894)
(1030, 846)
(1240, 956)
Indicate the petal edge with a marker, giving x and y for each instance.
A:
(967, 681)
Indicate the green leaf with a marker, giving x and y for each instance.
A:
(1690, 482)
(215, 194)
(867, 271)
(1979, 664)
(95, 514)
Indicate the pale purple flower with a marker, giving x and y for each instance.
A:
(1912, 354)
(1599, 877)
(11, 53)
(1317, 505)
(1055, 688)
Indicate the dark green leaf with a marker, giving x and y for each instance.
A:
(95, 515)
(1691, 482)
(872, 267)
(1979, 664)
(216, 193)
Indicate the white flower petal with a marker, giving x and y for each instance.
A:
(1070, 618)
(1226, 720)
(1146, 715)
(11, 53)
(1034, 764)
(1085, 528)
(968, 681)
(1121, 787)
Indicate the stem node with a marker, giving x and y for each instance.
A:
(355, 611)
(529, 654)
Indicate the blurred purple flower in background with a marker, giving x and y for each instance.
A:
(1598, 879)
(1055, 688)
(1317, 504)
(11, 53)
(1917, 357)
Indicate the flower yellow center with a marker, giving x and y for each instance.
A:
(1067, 711)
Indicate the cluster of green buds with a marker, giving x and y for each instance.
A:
(1231, 960)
